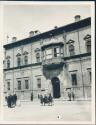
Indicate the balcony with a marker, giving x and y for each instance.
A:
(53, 63)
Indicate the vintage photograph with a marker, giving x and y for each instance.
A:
(47, 62)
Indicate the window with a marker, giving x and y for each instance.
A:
(71, 50)
(89, 74)
(19, 84)
(8, 63)
(74, 79)
(18, 61)
(26, 60)
(48, 53)
(62, 52)
(88, 45)
(56, 52)
(8, 85)
(38, 57)
(39, 83)
(27, 84)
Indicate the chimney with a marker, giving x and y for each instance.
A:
(77, 18)
(37, 32)
(31, 33)
(55, 27)
(14, 39)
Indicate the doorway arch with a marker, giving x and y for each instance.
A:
(56, 87)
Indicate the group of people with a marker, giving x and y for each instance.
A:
(46, 99)
(71, 96)
(11, 100)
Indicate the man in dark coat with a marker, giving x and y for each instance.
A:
(31, 96)
(9, 101)
(45, 99)
(41, 99)
(50, 99)
(14, 99)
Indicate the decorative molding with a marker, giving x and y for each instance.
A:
(87, 37)
(52, 44)
(18, 54)
(77, 56)
(37, 49)
(36, 64)
(70, 41)
(73, 71)
(23, 66)
(25, 53)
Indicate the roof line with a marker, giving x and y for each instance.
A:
(69, 27)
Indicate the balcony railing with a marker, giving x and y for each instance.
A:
(53, 61)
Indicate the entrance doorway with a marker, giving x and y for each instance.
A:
(56, 87)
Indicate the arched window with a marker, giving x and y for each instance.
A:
(26, 59)
(18, 61)
(88, 46)
(38, 57)
(71, 50)
(8, 63)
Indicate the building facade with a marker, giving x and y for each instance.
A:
(55, 62)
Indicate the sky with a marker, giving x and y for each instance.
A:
(19, 20)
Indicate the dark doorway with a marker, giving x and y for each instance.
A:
(56, 87)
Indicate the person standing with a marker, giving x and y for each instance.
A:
(14, 99)
(73, 95)
(41, 99)
(31, 96)
(6, 99)
(69, 95)
(45, 99)
(50, 99)
(9, 101)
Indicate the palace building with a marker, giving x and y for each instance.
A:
(55, 62)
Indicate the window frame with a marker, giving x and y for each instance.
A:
(74, 83)
(88, 45)
(8, 85)
(27, 84)
(8, 63)
(19, 80)
(72, 50)
(38, 87)
(26, 60)
(38, 57)
(19, 64)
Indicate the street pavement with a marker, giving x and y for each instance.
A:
(60, 111)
